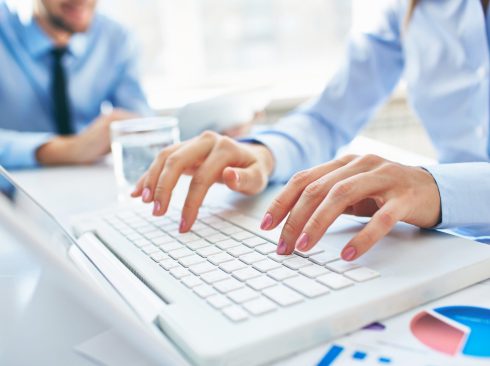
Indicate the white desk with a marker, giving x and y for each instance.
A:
(68, 191)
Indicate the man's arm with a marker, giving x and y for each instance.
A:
(313, 134)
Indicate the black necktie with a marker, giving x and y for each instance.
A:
(61, 106)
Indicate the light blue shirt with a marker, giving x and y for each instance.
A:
(443, 56)
(101, 66)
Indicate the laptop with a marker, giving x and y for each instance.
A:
(223, 297)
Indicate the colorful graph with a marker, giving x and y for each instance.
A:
(454, 330)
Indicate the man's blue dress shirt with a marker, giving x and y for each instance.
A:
(443, 55)
(101, 65)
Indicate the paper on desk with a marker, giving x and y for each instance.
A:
(396, 342)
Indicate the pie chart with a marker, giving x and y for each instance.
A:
(454, 330)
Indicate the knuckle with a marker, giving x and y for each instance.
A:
(313, 190)
(277, 204)
(341, 190)
(172, 161)
(208, 135)
(300, 179)
(387, 219)
(226, 143)
(369, 159)
(199, 181)
(315, 224)
(367, 238)
(390, 169)
(348, 158)
(291, 226)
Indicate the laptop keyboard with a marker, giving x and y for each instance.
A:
(237, 272)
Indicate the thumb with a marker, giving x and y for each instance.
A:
(250, 180)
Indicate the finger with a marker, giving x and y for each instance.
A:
(311, 197)
(208, 173)
(250, 180)
(344, 194)
(290, 194)
(138, 187)
(175, 164)
(380, 225)
(154, 171)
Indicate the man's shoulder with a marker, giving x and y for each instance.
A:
(110, 28)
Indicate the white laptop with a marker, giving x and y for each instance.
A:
(223, 297)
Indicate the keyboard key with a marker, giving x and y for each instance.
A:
(296, 262)
(158, 256)
(214, 276)
(219, 301)
(180, 253)
(207, 232)
(246, 273)
(192, 281)
(228, 285)
(171, 246)
(201, 268)
(211, 219)
(324, 258)
(243, 294)
(141, 242)
(235, 313)
(242, 235)
(220, 258)
(155, 234)
(313, 271)
(281, 273)
(266, 248)
(282, 295)
(230, 230)
(134, 236)
(251, 258)
(191, 260)
(216, 238)
(309, 253)
(279, 257)
(361, 274)
(207, 251)
(334, 281)
(168, 264)
(254, 241)
(341, 266)
(306, 286)
(227, 244)
(195, 245)
(179, 272)
(260, 283)
(240, 250)
(204, 291)
(259, 306)
(232, 266)
(187, 238)
(266, 265)
(164, 239)
(150, 249)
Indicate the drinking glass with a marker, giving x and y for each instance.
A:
(135, 143)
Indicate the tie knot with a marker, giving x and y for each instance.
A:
(59, 52)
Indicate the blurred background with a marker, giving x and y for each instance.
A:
(197, 49)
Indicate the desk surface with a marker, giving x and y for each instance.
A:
(68, 191)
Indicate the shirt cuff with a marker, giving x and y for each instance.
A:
(21, 152)
(464, 193)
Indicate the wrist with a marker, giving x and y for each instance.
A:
(264, 156)
(57, 151)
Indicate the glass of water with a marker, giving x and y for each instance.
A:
(135, 143)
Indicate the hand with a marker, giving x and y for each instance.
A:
(84, 148)
(361, 186)
(209, 158)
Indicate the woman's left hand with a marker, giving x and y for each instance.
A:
(361, 186)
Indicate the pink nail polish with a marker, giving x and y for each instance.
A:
(146, 195)
(156, 208)
(349, 253)
(302, 242)
(281, 247)
(266, 221)
(182, 225)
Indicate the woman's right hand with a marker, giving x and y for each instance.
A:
(208, 158)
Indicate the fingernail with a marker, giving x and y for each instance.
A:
(156, 208)
(349, 253)
(266, 221)
(281, 247)
(146, 194)
(302, 242)
(182, 225)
